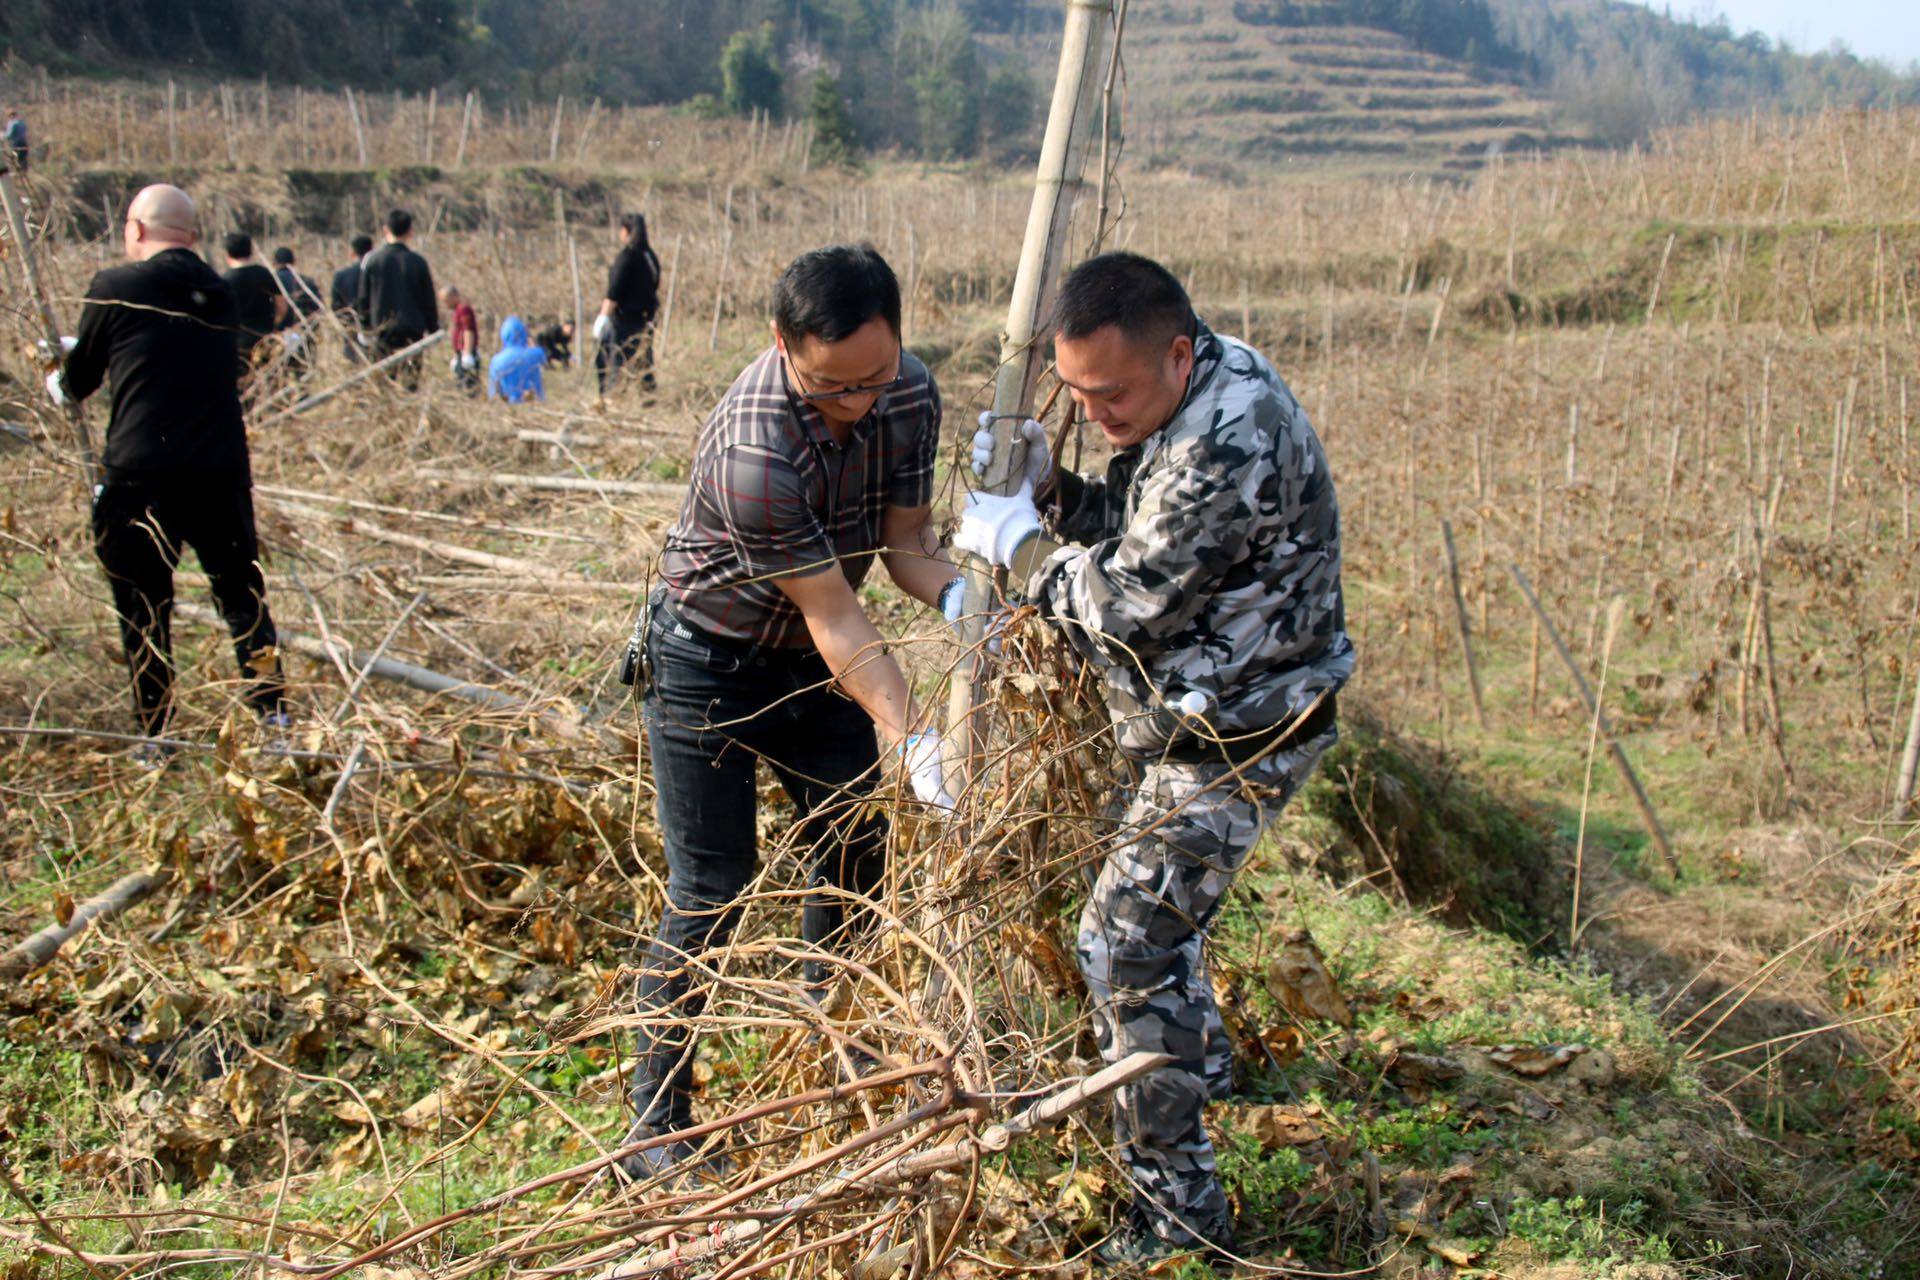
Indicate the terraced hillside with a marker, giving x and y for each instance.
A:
(1238, 82)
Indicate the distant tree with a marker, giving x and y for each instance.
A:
(1009, 106)
(945, 82)
(834, 141)
(750, 71)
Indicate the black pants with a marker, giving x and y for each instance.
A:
(714, 711)
(385, 343)
(628, 344)
(139, 527)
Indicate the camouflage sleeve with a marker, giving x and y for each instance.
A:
(1121, 599)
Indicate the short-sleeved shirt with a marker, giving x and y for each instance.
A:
(772, 495)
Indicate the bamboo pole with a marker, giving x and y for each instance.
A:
(1063, 158)
(1620, 763)
(321, 397)
(129, 890)
(572, 484)
(49, 323)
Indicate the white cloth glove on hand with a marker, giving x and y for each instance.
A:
(1039, 461)
(55, 390)
(468, 360)
(993, 527)
(67, 344)
(602, 326)
(953, 600)
(921, 755)
(293, 339)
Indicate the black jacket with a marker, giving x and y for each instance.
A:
(633, 282)
(302, 292)
(396, 292)
(345, 295)
(169, 355)
(254, 292)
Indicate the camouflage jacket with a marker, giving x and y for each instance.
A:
(1210, 560)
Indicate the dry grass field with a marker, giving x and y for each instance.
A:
(386, 989)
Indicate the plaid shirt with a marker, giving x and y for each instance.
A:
(772, 495)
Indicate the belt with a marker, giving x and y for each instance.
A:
(1242, 747)
(748, 652)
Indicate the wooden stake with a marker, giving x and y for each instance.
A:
(359, 131)
(1620, 762)
(1460, 619)
(49, 323)
(466, 121)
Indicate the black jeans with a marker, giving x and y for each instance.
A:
(628, 344)
(139, 526)
(714, 711)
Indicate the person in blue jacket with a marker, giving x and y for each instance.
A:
(513, 374)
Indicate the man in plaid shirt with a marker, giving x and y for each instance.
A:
(816, 462)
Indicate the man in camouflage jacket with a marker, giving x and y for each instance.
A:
(1204, 587)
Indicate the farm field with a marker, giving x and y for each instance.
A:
(1490, 1018)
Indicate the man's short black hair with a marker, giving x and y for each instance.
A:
(829, 293)
(239, 245)
(1136, 295)
(362, 246)
(283, 256)
(399, 222)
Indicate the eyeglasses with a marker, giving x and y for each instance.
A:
(844, 393)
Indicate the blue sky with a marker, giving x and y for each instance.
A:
(1884, 29)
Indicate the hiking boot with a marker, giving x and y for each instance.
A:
(1135, 1250)
(674, 1160)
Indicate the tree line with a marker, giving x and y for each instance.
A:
(913, 75)
(906, 74)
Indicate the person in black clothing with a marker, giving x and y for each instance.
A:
(159, 331)
(557, 341)
(624, 327)
(396, 297)
(297, 329)
(344, 298)
(256, 294)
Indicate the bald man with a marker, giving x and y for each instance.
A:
(161, 330)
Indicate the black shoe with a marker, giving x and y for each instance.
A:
(672, 1160)
(154, 757)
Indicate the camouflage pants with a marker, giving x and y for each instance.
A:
(1141, 947)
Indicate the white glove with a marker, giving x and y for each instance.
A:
(1039, 463)
(67, 344)
(468, 360)
(953, 599)
(993, 528)
(921, 755)
(602, 326)
(294, 339)
(364, 339)
(55, 390)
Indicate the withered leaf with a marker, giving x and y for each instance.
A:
(1534, 1060)
(1299, 980)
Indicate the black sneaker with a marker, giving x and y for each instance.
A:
(674, 1160)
